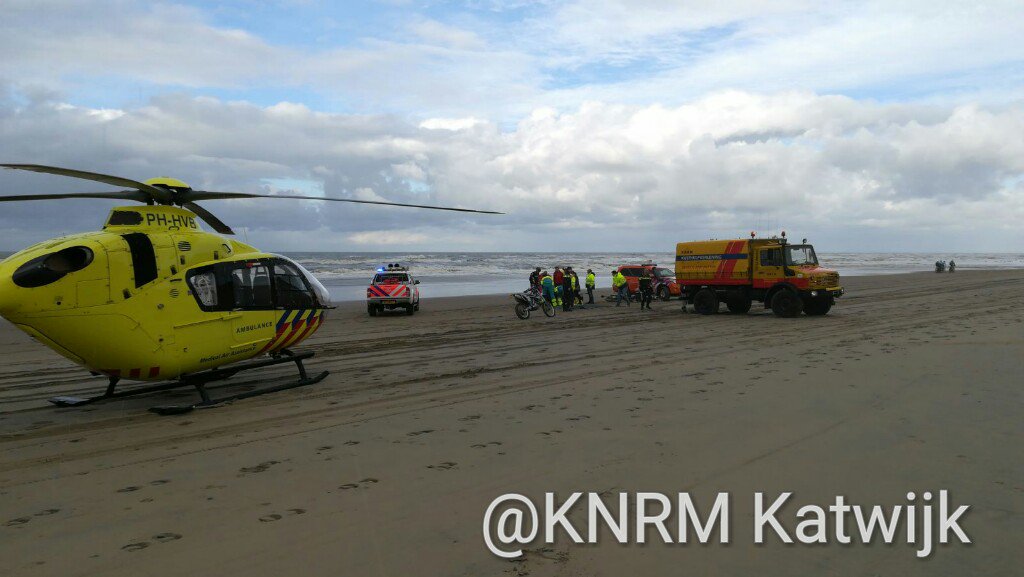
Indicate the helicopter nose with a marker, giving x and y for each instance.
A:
(7, 294)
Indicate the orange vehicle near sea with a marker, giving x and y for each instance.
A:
(785, 277)
(665, 286)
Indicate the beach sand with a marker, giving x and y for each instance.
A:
(912, 383)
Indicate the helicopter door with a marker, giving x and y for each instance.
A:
(251, 295)
(769, 267)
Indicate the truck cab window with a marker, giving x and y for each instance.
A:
(801, 255)
(771, 257)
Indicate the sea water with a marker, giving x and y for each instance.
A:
(346, 274)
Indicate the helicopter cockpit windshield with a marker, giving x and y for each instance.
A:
(258, 284)
(323, 297)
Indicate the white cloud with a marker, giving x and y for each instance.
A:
(593, 124)
(605, 172)
(388, 238)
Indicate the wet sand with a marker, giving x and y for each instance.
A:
(913, 382)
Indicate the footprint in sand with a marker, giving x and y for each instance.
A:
(128, 489)
(46, 512)
(418, 433)
(350, 443)
(276, 517)
(166, 537)
(470, 418)
(361, 484)
(16, 522)
(135, 546)
(159, 482)
(443, 466)
(259, 468)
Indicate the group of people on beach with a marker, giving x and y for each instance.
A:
(563, 287)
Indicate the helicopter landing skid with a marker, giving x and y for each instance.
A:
(200, 380)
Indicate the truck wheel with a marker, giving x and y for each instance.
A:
(372, 309)
(818, 306)
(410, 310)
(786, 303)
(523, 311)
(705, 302)
(664, 294)
(417, 306)
(738, 305)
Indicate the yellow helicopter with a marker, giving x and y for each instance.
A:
(152, 297)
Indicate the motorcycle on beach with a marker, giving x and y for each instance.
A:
(531, 300)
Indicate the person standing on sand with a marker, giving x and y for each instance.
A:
(567, 297)
(558, 285)
(535, 278)
(576, 298)
(591, 283)
(621, 287)
(547, 287)
(646, 285)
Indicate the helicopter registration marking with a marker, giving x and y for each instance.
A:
(172, 221)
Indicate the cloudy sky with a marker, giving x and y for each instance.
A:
(603, 125)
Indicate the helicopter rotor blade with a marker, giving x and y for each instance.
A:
(208, 218)
(122, 195)
(152, 192)
(210, 195)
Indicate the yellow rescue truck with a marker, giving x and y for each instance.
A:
(785, 277)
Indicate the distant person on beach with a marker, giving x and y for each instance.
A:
(621, 287)
(567, 297)
(559, 275)
(646, 284)
(577, 298)
(535, 278)
(547, 287)
(591, 283)
(952, 265)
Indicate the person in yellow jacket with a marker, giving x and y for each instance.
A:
(576, 298)
(591, 283)
(621, 287)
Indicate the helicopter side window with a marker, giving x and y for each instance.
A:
(204, 285)
(291, 290)
(250, 286)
